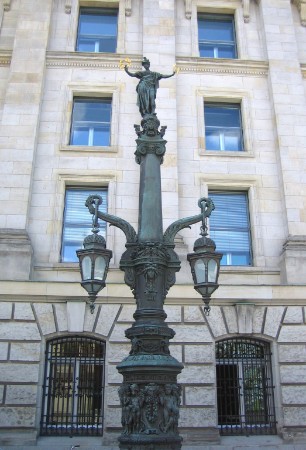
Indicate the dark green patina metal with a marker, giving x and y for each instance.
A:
(149, 394)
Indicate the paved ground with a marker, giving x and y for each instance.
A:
(227, 443)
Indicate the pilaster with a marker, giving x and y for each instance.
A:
(21, 111)
(288, 97)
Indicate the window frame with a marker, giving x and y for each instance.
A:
(95, 91)
(244, 394)
(218, 17)
(227, 230)
(73, 362)
(91, 132)
(99, 11)
(233, 96)
(223, 129)
(77, 225)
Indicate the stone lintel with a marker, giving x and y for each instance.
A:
(15, 254)
(293, 260)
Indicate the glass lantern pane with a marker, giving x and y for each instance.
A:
(200, 271)
(86, 268)
(99, 268)
(212, 271)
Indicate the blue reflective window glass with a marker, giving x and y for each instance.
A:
(97, 30)
(230, 227)
(216, 33)
(77, 223)
(91, 120)
(223, 127)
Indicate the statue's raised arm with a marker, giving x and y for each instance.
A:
(147, 87)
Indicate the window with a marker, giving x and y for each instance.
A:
(78, 221)
(216, 36)
(223, 128)
(91, 119)
(244, 387)
(97, 31)
(230, 227)
(73, 387)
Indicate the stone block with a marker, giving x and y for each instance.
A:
(75, 316)
(258, 317)
(19, 416)
(197, 374)
(197, 417)
(23, 311)
(118, 333)
(231, 318)
(113, 376)
(116, 352)
(245, 317)
(6, 310)
(19, 373)
(292, 374)
(106, 319)
(273, 320)
(216, 321)
(21, 351)
(61, 316)
(200, 395)
(112, 397)
(174, 313)
(21, 394)
(126, 314)
(45, 316)
(294, 416)
(176, 351)
(294, 314)
(193, 314)
(192, 333)
(292, 333)
(113, 417)
(199, 353)
(294, 394)
(15, 254)
(14, 331)
(3, 351)
(90, 319)
(292, 353)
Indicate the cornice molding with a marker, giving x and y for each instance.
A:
(128, 7)
(222, 66)
(80, 59)
(245, 6)
(301, 6)
(5, 57)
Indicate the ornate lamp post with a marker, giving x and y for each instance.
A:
(149, 394)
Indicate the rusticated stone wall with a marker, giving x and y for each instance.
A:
(25, 328)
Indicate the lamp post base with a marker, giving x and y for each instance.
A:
(150, 398)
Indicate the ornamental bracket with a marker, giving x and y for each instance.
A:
(7, 5)
(188, 9)
(128, 7)
(68, 6)
(301, 6)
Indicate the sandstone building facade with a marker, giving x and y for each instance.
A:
(235, 116)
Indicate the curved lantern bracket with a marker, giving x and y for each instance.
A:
(93, 202)
(206, 205)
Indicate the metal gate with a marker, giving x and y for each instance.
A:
(73, 387)
(245, 387)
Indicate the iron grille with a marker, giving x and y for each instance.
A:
(245, 388)
(73, 387)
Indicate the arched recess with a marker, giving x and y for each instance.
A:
(73, 387)
(245, 390)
